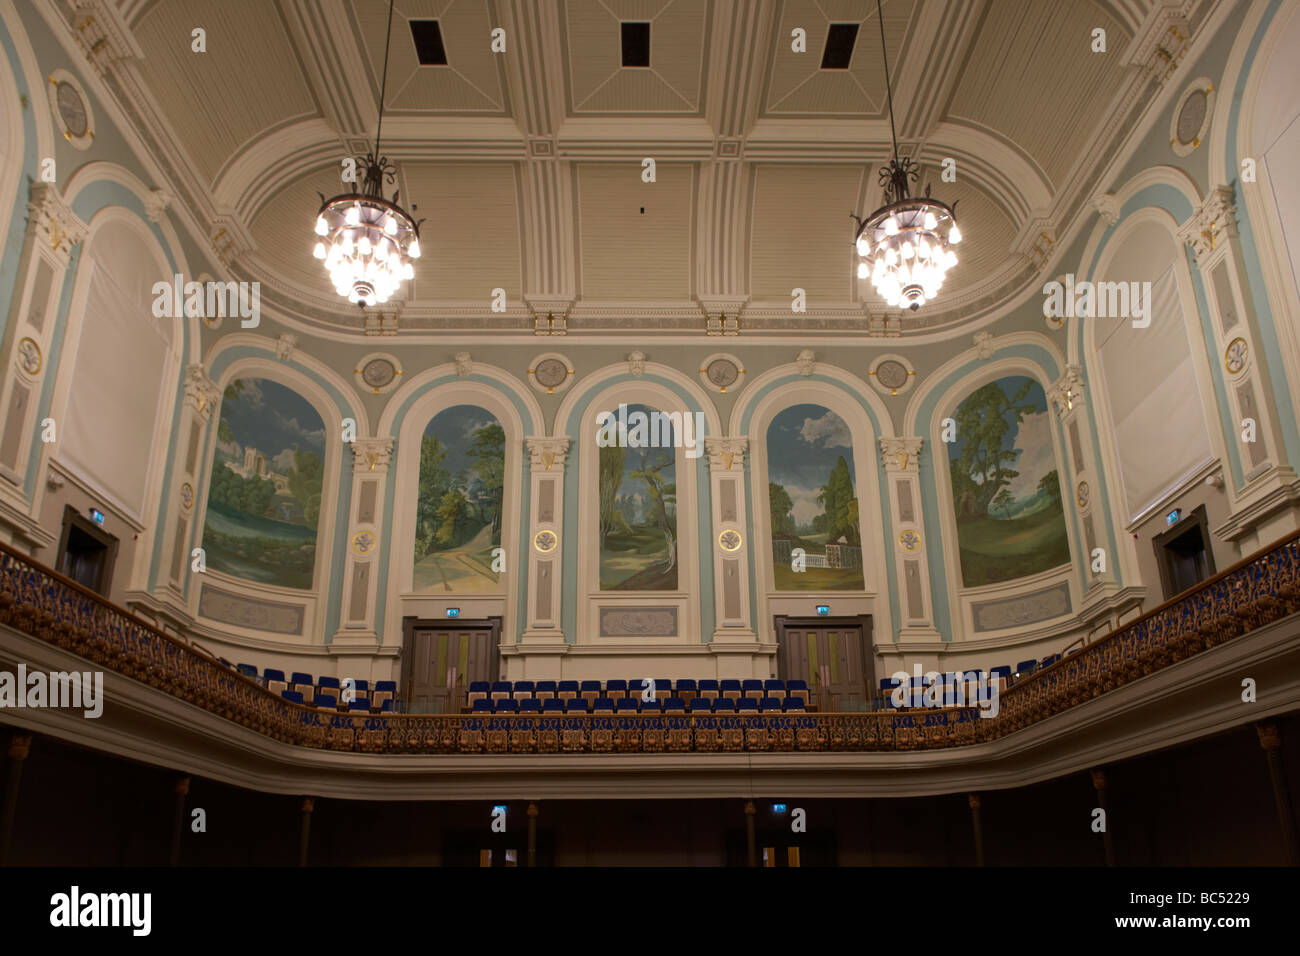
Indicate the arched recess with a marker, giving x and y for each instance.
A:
(28, 132)
(1262, 124)
(1141, 378)
(582, 523)
(763, 402)
(115, 389)
(1025, 606)
(268, 599)
(403, 598)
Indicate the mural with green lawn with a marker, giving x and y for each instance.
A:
(813, 501)
(264, 490)
(1005, 486)
(638, 515)
(458, 506)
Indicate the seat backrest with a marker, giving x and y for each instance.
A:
(675, 705)
(747, 703)
(293, 696)
(361, 685)
(576, 705)
(507, 706)
(553, 705)
(479, 687)
(730, 685)
(603, 705)
(769, 703)
(708, 684)
(701, 704)
(388, 685)
(272, 674)
(569, 685)
(481, 706)
(796, 685)
(724, 705)
(333, 683)
(531, 706)
(248, 670)
(501, 686)
(359, 705)
(545, 686)
(686, 684)
(300, 678)
(648, 706)
(751, 684)
(1024, 667)
(614, 685)
(626, 703)
(326, 700)
(773, 685)
(794, 703)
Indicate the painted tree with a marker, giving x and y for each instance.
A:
(306, 478)
(835, 498)
(612, 460)
(488, 452)
(782, 509)
(983, 420)
(434, 482)
(453, 516)
(663, 494)
(1004, 500)
(1050, 485)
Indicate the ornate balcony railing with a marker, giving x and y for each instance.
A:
(43, 603)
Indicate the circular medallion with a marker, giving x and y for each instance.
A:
(29, 356)
(363, 542)
(730, 540)
(909, 540)
(187, 496)
(378, 372)
(1082, 495)
(1234, 357)
(71, 109)
(550, 373)
(1191, 117)
(891, 374)
(721, 372)
(545, 541)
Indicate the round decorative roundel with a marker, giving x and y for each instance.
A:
(909, 540)
(71, 109)
(730, 540)
(1082, 494)
(545, 541)
(1192, 113)
(378, 372)
(363, 542)
(891, 374)
(551, 372)
(720, 372)
(1234, 357)
(29, 356)
(187, 495)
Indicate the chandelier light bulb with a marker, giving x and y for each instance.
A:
(322, 227)
(863, 271)
(353, 216)
(319, 251)
(930, 222)
(864, 246)
(891, 226)
(954, 234)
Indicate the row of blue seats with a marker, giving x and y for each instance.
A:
(628, 705)
(635, 687)
(331, 702)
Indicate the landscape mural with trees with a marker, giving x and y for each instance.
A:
(1005, 487)
(638, 515)
(459, 502)
(264, 489)
(813, 501)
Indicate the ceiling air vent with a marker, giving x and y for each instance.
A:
(636, 44)
(427, 35)
(839, 46)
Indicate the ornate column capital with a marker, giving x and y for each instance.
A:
(546, 453)
(372, 454)
(1161, 40)
(156, 203)
(52, 220)
(201, 393)
(1067, 391)
(1214, 220)
(230, 238)
(104, 34)
(726, 454)
(901, 454)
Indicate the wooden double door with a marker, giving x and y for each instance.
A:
(833, 654)
(441, 658)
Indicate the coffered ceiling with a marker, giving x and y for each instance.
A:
(526, 166)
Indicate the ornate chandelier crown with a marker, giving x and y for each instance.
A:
(368, 242)
(904, 247)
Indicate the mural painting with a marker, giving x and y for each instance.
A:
(813, 501)
(638, 509)
(458, 509)
(1005, 487)
(264, 491)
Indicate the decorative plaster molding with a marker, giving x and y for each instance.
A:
(284, 346)
(1107, 206)
(156, 203)
(806, 361)
(1067, 391)
(1215, 218)
(372, 454)
(52, 219)
(200, 391)
(1161, 41)
(726, 454)
(636, 363)
(984, 345)
(546, 453)
(230, 238)
(901, 454)
(463, 364)
(103, 34)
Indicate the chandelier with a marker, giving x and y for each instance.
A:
(905, 246)
(368, 242)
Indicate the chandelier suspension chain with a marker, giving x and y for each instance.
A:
(383, 83)
(884, 55)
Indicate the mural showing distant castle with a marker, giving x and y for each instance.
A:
(264, 493)
(813, 501)
(458, 507)
(638, 515)
(1005, 486)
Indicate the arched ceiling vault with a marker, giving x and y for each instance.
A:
(527, 165)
